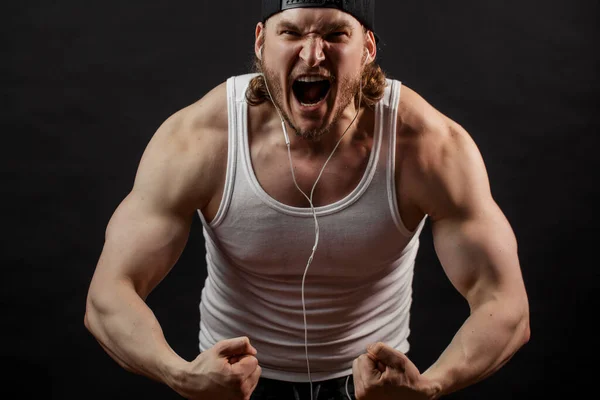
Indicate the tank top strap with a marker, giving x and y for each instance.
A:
(236, 95)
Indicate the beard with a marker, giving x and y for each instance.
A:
(348, 88)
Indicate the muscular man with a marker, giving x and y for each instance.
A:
(311, 228)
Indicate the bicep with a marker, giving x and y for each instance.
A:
(149, 229)
(179, 173)
(479, 254)
(473, 239)
(143, 241)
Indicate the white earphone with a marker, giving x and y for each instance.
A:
(314, 249)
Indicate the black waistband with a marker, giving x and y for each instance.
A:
(336, 389)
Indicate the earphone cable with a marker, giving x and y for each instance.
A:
(314, 213)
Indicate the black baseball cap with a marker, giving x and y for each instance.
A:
(362, 10)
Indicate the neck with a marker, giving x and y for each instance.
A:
(349, 125)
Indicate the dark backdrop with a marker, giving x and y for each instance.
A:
(86, 84)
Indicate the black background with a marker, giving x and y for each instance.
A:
(86, 84)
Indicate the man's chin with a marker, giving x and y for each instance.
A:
(311, 122)
(312, 133)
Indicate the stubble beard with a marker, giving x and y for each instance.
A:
(348, 89)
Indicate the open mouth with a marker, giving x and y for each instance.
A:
(311, 90)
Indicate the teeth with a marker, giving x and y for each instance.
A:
(312, 78)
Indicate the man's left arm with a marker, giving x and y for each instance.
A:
(441, 174)
(478, 251)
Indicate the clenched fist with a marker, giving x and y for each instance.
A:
(384, 373)
(229, 371)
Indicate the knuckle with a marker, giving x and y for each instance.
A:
(235, 379)
(377, 347)
(239, 378)
(218, 346)
(387, 380)
(253, 361)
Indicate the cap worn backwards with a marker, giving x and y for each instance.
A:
(362, 10)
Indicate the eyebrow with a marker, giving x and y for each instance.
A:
(288, 25)
(330, 27)
(339, 26)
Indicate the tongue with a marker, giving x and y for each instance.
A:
(312, 93)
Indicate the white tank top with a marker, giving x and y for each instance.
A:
(358, 289)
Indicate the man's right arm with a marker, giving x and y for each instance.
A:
(142, 242)
(181, 171)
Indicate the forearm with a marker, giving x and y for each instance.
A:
(130, 333)
(486, 341)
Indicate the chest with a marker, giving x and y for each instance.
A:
(335, 177)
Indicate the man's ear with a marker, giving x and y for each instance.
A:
(259, 40)
(370, 47)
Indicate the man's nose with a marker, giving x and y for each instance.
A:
(312, 51)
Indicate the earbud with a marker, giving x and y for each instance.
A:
(366, 57)
(260, 52)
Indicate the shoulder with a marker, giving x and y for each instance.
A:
(186, 157)
(204, 120)
(430, 135)
(438, 158)
(199, 129)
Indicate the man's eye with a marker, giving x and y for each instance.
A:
(335, 35)
(291, 33)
